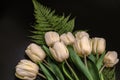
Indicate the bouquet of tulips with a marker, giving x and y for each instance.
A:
(64, 54)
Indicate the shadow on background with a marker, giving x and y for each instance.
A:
(100, 17)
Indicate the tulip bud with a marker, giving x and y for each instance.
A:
(51, 37)
(59, 52)
(83, 46)
(81, 34)
(26, 70)
(111, 59)
(35, 53)
(98, 45)
(68, 38)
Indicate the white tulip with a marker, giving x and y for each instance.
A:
(68, 38)
(81, 34)
(83, 46)
(26, 70)
(98, 45)
(111, 58)
(35, 53)
(51, 37)
(59, 52)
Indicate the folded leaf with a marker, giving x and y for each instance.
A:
(92, 58)
(100, 61)
(55, 69)
(46, 72)
(47, 51)
(93, 70)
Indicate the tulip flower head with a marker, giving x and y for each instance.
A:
(80, 34)
(59, 51)
(111, 59)
(83, 46)
(98, 45)
(68, 38)
(51, 37)
(26, 70)
(35, 53)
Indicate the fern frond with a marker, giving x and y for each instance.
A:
(109, 73)
(47, 20)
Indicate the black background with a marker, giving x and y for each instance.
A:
(100, 17)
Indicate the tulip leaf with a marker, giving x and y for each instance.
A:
(46, 72)
(54, 68)
(92, 58)
(57, 71)
(93, 70)
(47, 51)
(100, 61)
(78, 63)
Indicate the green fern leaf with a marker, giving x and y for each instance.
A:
(109, 73)
(46, 20)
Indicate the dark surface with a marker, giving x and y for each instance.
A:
(101, 18)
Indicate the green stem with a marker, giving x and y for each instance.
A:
(65, 72)
(97, 56)
(45, 62)
(102, 69)
(85, 61)
(41, 75)
(76, 78)
(101, 77)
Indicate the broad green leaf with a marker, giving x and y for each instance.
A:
(52, 70)
(56, 70)
(100, 61)
(93, 70)
(79, 64)
(92, 58)
(47, 51)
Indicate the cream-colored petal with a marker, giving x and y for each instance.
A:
(111, 59)
(64, 39)
(70, 37)
(29, 63)
(32, 56)
(77, 47)
(85, 45)
(51, 37)
(27, 68)
(59, 51)
(53, 53)
(81, 34)
(94, 45)
(22, 72)
(101, 45)
(35, 52)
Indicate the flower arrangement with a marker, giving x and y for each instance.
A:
(58, 53)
